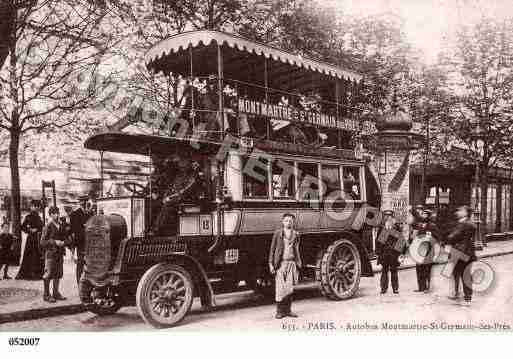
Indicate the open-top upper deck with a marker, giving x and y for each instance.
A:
(261, 90)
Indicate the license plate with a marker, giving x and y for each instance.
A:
(231, 256)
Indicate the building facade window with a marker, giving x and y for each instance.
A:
(505, 207)
(491, 207)
(473, 197)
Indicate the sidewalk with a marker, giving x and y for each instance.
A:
(492, 249)
(22, 300)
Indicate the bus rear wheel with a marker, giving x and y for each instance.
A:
(164, 295)
(339, 270)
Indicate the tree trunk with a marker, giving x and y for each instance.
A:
(15, 182)
(210, 24)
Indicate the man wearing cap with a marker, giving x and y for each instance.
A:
(78, 219)
(53, 242)
(388, 250)
(423, 227)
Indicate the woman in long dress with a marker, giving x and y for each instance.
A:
(31, 267)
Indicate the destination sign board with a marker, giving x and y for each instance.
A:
(293, 114)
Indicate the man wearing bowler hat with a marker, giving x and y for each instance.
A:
(78, 219)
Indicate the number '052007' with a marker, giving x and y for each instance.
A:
(18, 341)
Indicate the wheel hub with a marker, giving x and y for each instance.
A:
(167, 295)
(341, 269)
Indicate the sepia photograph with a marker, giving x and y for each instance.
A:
(292, 167)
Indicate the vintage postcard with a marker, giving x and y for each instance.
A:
(301, 166)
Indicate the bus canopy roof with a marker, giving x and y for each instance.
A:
(147, 144)
(141, 144)
(172, 55)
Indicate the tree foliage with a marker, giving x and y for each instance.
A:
(377, 46)
(299, 26)
(52, 46)
(479, 69)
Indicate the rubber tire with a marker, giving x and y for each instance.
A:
(322, 271)
(144, 286)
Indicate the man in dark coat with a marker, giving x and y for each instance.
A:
(31, 264)
(78, 219)
(462, 240)
(53, 242)
(423, 227)
(6, 241)
(388, 251)
(184, 186)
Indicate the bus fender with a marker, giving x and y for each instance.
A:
(200, 278)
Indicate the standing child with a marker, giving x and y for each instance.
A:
(53, 242)
(284, 262)
(6, 241)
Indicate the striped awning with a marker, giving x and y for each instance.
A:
(174, 44)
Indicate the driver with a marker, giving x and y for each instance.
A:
(181, 188)
(164, 172)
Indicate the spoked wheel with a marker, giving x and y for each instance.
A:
(340, 270)
(164, 295)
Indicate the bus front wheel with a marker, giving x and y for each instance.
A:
(164, 295)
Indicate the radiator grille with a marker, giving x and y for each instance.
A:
(147, 253)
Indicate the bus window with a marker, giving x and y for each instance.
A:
(255, 178)
(330, 176)
(351, 182)
(284, 181)
(308, 177)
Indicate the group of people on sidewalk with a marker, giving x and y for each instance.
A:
(45, 246)
(424, 233)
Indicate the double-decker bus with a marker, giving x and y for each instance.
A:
(259, 132)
